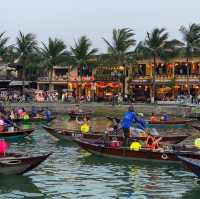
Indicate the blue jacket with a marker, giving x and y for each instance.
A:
(129, 118)
(141, 124)
(48, 115)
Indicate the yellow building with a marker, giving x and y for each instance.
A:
(171, 79)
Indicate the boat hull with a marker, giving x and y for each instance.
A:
(16, 165)
(69, 135)
(19, 134)
(74, 115)
(33, 120)
(127, 154)
(57, 133)
(191, 165)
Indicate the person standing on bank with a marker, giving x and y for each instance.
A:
(129, 118)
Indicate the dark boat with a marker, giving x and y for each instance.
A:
(16, 134)
(68, 135)
(195, 127)
(163, 155)
(62, 134)
(16, 164)
(191, 164)
(80, 114)
(172, 121)
(160, 122)
(34, 119)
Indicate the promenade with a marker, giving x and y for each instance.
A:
(102, 109)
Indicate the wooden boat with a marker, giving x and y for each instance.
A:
(195, 127)
(74, 114)
(16, 134)
(15, 164)
(162, 155)
(191, 164)
(68, 135)
(33, 119)
(172, 121)
(160, 122)
(62, 134)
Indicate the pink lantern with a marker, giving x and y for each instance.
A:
(3, 146)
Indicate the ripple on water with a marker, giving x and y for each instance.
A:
(73, 173)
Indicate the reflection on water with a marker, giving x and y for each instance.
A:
(73, 173)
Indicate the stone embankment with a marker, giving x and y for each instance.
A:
(102, 109)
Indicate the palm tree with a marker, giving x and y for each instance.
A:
(122, 41)
(26, 47)
(191, 38)
(54, 53)
(83, 51)
(3, 46)
(158, 45)
(118, 48)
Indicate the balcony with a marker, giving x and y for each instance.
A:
(107, 77)
(164, 78)
(43, 79)
(55, 79)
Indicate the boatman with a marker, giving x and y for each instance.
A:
(129, 118)
(141, 124)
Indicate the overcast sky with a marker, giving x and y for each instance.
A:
(69, 19)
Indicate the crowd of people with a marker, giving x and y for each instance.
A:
(8, 118)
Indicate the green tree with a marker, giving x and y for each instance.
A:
(4, 47)
(26, 47)
(191, 38)
(122, 41)
(158, 45)
(54, 53)
(83, 51)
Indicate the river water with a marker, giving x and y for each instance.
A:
(70, 172)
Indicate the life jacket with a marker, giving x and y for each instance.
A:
(153, 119)
(26, 117)
(135, 146)
(2, 123)
(115, 144)
(85, 128)
(152, 143)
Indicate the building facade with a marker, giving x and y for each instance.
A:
(171, 79)
(90, 82)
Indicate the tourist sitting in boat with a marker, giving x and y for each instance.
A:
(84, 125)
(47, 114)
(78, 109)
(33, 112)
(19, 112)
(127, 121)
(152, 143)
(2, 124)
(22, 112)
(115, 144)
(153, 118)
(164, 117)
(26, 117)
(12, 115)
(135, 145)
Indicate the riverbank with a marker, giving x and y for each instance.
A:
(102, 109)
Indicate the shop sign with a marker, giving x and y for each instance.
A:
(87, 78)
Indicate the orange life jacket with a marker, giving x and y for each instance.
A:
(152, 143)
(153, 119)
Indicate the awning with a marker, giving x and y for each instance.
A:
(106, 84)
(19, 83)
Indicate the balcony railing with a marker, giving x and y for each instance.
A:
(107, 77)
(55, 78)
